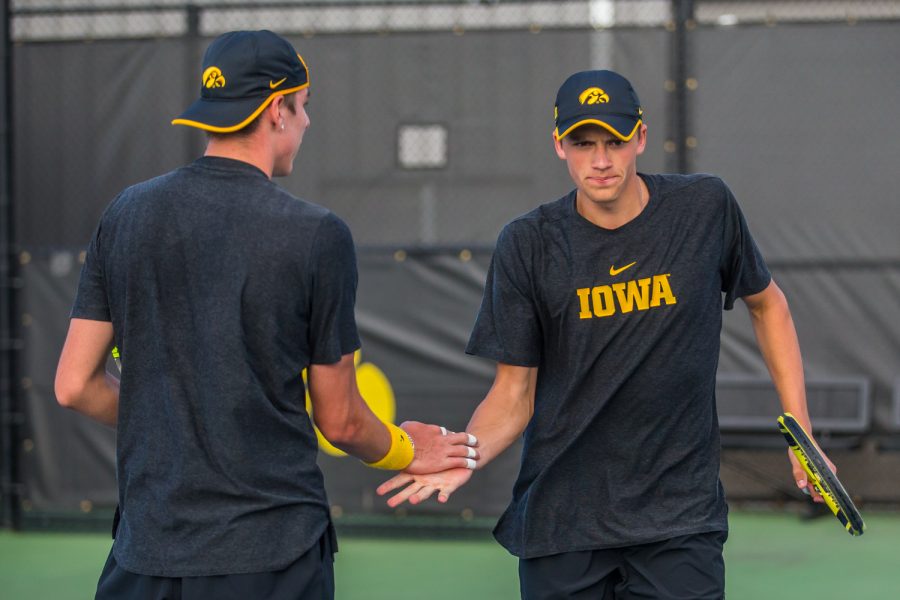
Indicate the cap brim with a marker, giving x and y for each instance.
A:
(227, 116)
(623, 128)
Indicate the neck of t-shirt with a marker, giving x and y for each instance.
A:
(618, 212)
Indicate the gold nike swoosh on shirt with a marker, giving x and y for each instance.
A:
(275, 84)
(614, 271)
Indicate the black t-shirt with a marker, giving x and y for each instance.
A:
(624, 326)
(221, 288)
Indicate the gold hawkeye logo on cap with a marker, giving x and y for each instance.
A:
(593, 95)
(213, 78)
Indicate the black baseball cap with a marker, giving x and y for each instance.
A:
(242, 72)
(603, 98)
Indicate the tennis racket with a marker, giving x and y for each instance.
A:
(116, 358)
(820, 475)
(117, 516)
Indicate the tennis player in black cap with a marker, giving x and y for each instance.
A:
(603, 311)
(219, 288)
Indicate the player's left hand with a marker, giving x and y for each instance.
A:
(438, 449)
(419, 488)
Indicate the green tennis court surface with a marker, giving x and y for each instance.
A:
(768, 556)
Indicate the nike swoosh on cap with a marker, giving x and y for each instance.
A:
(275, 84)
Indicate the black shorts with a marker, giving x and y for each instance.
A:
(688, 567)
(310, 577)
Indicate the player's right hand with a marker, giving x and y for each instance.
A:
(802, 478)
(419, 488)
(437, 449)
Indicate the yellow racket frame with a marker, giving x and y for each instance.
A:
(820, 475)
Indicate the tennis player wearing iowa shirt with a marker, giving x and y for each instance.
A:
(603, 311)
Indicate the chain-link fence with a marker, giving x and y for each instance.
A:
(413, 104)
(431, 120)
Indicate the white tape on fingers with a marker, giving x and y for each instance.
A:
(443, 431)
(470, 464)
(472, 439)
(470, 452)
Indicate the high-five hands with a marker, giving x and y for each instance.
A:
(419, 488)
(437, 449)
(443, 462)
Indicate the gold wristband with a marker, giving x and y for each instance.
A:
(401, 453)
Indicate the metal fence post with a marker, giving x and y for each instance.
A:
(10, 344)
(680, 140)
(195, 143)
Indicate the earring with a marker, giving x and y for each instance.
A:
(282, 125)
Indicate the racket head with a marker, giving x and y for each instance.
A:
(820, 475)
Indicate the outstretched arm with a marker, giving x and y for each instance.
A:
(777, 340)
(82, 382)
(498, 421)
(346, 421)
(505, 412)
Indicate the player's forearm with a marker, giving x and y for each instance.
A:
(346, 421)
(495, 431)
(780, 348)
(97, 398)
(82, 382)
(342, 415)
(358, 431)
(504, 414)
(365, 437)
